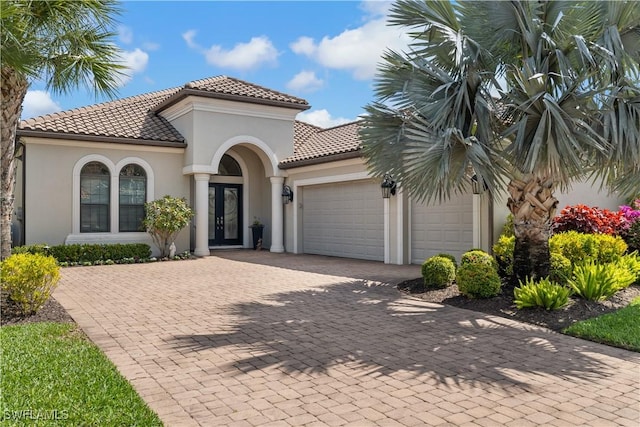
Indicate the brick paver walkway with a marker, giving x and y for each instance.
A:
(249, 338)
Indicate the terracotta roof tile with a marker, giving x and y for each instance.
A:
(128, 118)
(223, 85)
(313, 147)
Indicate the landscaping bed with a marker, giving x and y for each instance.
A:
(502, 305)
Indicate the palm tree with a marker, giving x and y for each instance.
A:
(540, 93)
(65, 43)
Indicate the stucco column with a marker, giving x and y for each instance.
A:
(387, 232)
(477, 231)
(277, 214)
(202, 214)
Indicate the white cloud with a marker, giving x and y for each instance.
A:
(376, 7)
(188, 37)
(125, 34)
(38, 103)
(305, 81)
(244, 56)
(303, 46)
(321, 118)
(356, 50)
(135, 62)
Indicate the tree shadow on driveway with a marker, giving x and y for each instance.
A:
(367, 330)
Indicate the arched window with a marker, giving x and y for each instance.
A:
(229, 166)
(94, 198)
(132, 196)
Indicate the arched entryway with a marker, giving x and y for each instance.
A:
(226, 226)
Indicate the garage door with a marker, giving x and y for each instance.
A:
(441, 228)
(344, 219)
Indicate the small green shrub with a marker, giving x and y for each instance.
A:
(507, 229)
(596, 282)
(438, 272)
(478, 256)
(503, 252)
(631, 262)
(560, 268)
(544, 293)
(478, 280)
(29, 279)
(89, 254)
(451, 257)
(582, 247)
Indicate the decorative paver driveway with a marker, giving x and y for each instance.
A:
(249, 338)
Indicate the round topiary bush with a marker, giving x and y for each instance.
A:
(478, 256)
(478, 280)
(451, 257)
(438, 272)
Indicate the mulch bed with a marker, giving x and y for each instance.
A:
(51, 311)
(502, 305)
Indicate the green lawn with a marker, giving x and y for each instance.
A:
(620, 328)
(50, 374)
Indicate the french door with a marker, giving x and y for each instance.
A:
(225, 214)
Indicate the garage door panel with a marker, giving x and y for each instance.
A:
(447, 227)
(344, 219)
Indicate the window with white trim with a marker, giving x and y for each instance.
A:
(94, 198)
(132, 194)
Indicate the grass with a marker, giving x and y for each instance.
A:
(52, 375)
(619, 329)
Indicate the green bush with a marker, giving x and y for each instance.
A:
(164, 219)
(478, 256)
(631, 262)
(88, 254)
(503, 252)
(582, 247)
(597, 282)
(544, 293)
(29, 279)
(560, 268)
(451, 257)
(507, 229)
(438, 272)
(478, 280)
(632, 236)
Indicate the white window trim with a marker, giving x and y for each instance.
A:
(114, 170)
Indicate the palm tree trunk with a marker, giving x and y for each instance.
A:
(533, 207)
(14, 89)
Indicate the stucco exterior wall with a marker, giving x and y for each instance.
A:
(48, 200)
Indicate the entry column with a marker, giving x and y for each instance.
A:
(277, 214)
(202, 214)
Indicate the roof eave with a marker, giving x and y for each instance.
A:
(98, 138)
(323, 159)
(185, 92)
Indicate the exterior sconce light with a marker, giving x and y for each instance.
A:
(388, 187)
(476, 186)
(287, 194)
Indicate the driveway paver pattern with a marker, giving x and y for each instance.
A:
(246, 338)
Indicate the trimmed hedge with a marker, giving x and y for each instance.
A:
(90, 253)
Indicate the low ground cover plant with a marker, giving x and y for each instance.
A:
(543, 293)
(597, 282)
(29, 279)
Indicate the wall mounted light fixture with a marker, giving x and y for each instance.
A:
(287, 194)
(388, 187)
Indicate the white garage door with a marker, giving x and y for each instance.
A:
(441, 228)
(344, 219)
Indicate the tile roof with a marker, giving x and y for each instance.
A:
(136, 119)
(323, 145)
(126, 119)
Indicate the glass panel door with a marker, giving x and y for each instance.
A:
(225, 214)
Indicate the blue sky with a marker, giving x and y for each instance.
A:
(323, 51)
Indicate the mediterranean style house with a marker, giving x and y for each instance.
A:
(235, 151)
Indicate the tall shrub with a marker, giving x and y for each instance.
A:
(164, 219)
(29, 279)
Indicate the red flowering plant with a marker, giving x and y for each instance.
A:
(586, 219)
